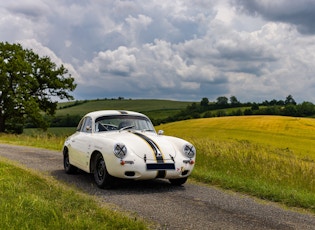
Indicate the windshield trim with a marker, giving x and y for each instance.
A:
(121, 117)
(150, 127)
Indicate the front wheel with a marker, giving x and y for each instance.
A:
(178, 181)
(101, 176)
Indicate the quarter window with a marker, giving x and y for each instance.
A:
(79, 127)
(87, 125)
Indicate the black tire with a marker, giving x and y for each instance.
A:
(101, 175)
(179, 181)
(69, 168)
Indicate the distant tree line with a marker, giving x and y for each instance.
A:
(224, 106)
(58, 121)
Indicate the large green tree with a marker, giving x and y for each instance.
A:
(30, 86)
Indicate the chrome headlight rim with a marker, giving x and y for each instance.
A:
(120, 150)
(189, 150)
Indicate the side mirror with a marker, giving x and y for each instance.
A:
(160, 132)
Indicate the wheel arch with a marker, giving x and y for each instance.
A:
(92, 160)
(65, 150)
(69, 168)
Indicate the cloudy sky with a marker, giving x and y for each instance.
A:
(255, 50)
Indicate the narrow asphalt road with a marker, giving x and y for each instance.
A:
(191, 206)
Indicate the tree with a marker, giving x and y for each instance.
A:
(290, 110)
(306, 109)
(255, 106)
(204, 102)
(222, 100)
(234, 101)
(28, 84)
(289, 101)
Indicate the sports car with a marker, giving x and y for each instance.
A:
(114, 144)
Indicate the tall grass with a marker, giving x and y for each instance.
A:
(40, 140)
(52, 139)
(268, 173)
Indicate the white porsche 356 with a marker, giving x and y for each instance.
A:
(123, 144)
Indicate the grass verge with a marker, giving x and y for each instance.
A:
(53, 139)
(32, 201)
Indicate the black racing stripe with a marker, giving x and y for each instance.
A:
(154, 146)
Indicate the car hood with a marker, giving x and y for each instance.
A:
(146, 145)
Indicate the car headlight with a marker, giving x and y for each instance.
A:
(120, 150)
(190, 151)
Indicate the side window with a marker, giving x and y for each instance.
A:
(87, 125)
(79, 127)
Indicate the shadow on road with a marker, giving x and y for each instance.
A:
(85, 182)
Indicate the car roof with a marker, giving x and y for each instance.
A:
(100, 113)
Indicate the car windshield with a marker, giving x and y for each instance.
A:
(123, 122)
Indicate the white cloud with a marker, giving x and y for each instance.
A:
(118, 62)
(43, 51)
(186, 50)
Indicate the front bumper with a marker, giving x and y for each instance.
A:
(139, 170)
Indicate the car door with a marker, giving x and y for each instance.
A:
(81, 145)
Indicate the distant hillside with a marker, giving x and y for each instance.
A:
(155, 109)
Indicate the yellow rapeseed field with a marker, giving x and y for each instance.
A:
(291, 133)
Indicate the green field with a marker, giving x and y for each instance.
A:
(150, 107)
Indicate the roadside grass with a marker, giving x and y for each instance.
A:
(29, 200)
(265, 172)
(269, 157)
(43, 140)
(52, 139)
